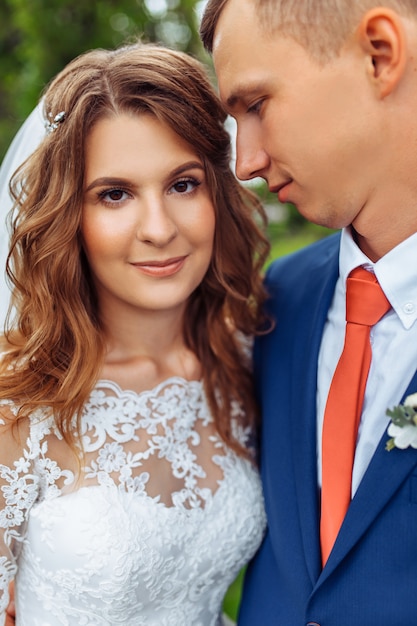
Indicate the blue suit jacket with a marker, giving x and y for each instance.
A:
(371, 575)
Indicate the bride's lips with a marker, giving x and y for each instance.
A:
(167, 267)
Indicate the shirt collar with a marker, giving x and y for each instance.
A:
(396, 272)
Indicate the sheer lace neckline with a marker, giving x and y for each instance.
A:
(160, 444)
(122, 391)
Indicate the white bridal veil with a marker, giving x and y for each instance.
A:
(25, 142)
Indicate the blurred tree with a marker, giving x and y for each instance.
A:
(38, 37)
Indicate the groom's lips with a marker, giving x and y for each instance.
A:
(282, 190)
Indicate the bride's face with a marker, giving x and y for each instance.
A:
(148, 220)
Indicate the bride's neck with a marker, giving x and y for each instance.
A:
(143, 351)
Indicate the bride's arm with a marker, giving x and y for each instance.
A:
(11, 614)
(25, 142)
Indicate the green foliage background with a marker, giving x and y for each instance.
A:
(38, 37)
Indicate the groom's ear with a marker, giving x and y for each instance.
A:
(382, 38)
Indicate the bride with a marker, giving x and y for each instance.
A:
(128, 488)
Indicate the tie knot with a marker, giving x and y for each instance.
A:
(366, 303)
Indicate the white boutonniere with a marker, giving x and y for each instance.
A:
(403, 427)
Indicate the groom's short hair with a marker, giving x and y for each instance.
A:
(320, 26)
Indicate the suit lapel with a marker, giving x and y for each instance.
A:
(303, 379)
(385, 474)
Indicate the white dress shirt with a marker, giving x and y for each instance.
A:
(393, 340)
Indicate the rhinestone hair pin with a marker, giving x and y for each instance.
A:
(57, 120)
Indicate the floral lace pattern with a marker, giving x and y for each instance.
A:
(152, 531)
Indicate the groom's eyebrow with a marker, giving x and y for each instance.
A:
(242, 93)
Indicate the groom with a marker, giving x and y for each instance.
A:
(325, 98)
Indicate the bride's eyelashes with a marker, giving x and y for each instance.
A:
(116, 196)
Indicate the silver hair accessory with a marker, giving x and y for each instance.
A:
(58, 119)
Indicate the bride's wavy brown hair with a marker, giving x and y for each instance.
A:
(55, 345)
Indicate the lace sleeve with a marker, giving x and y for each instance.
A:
(18, 491)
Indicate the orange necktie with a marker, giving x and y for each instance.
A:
(365, 305)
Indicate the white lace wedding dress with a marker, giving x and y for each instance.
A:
(152, 532)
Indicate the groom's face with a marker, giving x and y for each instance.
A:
(307, 128)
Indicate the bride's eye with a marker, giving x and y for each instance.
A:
(113, 196)
(185, 186)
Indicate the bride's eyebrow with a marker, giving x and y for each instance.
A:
(108, 181)
(190, 165)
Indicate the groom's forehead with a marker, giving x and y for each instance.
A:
(242, 55)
